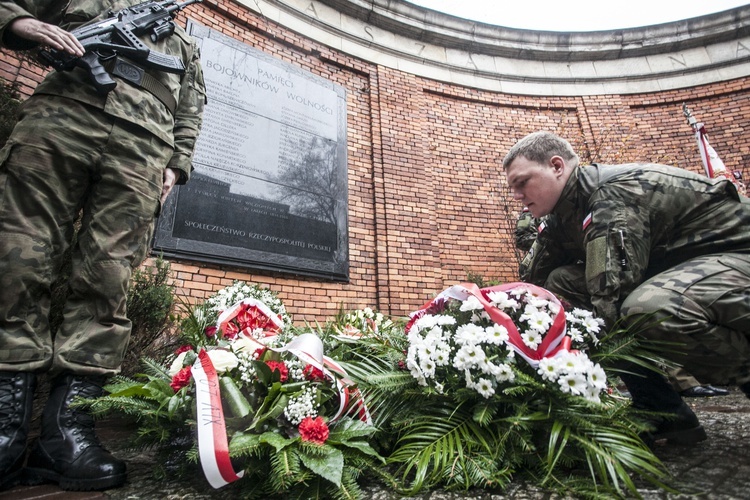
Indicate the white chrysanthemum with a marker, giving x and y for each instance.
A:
(469, 334)
(496, 334)
(573, 362)
(485, 366)
(549, 368)
(532, 338)
(581, 313)
(439, 388)
(415, 371)
(502, 300)
(471, 304)
(444, 320)
(428, 368)
(575, 334)
(425, 351)
(468, 356)
(592, 394)
(434, 335)
(461, 361)
(537, 302)
(442, 354)
(591, 325)
(503, 373)
(484, 387)
(597, 377)
(573, 383)
(536, 319)
(425, 322)
(468, 379)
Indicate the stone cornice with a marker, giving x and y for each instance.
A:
(423, 42)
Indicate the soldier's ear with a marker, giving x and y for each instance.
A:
(558, 164)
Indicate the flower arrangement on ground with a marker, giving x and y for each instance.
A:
(256, 401)
(502, 382)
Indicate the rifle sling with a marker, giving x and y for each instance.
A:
(136, 75)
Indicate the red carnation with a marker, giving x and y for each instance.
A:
(183, 348)
(312, 373)
(280, 367)
(210, 331)
(181, 379)
(314, 430)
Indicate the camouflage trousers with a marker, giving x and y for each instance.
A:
(703, 305)
(62, 157)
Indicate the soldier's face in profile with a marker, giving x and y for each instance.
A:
(537, 185)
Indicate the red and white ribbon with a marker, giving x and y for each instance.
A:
(309, 348)
(213, 446)
(229, 314)
(555, 340)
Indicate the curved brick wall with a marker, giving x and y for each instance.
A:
(427, 204)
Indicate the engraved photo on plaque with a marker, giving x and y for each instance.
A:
(269, 189)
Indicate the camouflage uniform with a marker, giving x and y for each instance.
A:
(656, 240)
(526, 230)
(74, 148)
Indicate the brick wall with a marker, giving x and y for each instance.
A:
(427, 202)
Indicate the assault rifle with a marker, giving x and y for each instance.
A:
(118, 35)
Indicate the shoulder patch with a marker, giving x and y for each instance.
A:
(586, 221)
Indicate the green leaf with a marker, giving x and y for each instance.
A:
(132, 391)
(236, 402)
(483, 413)
(174, 404)
(276, 440)
(263, 372)
(363, 447)
(328, 465)
(242, 443)
(349, 428)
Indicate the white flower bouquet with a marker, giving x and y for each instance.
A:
(472, 338)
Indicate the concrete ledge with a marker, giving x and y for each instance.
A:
(427, 43)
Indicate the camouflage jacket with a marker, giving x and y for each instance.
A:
(179, 130)
(631, 222)
(526, 230)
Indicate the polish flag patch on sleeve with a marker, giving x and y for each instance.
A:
(586, 221)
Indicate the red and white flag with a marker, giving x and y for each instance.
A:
(712, 164)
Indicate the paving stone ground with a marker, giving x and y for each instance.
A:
(718, 468)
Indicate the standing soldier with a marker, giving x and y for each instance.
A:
(658, 242)
(115, 155)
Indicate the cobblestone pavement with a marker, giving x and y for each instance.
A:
(718, 468)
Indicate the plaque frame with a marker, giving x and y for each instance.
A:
(233, 212)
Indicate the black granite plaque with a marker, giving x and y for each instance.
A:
(269, 190)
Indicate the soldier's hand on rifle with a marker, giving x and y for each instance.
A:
(53, 36)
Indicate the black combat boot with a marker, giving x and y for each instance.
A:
(68, 451)
(745, 388)
(16, 398)
(650, 391)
